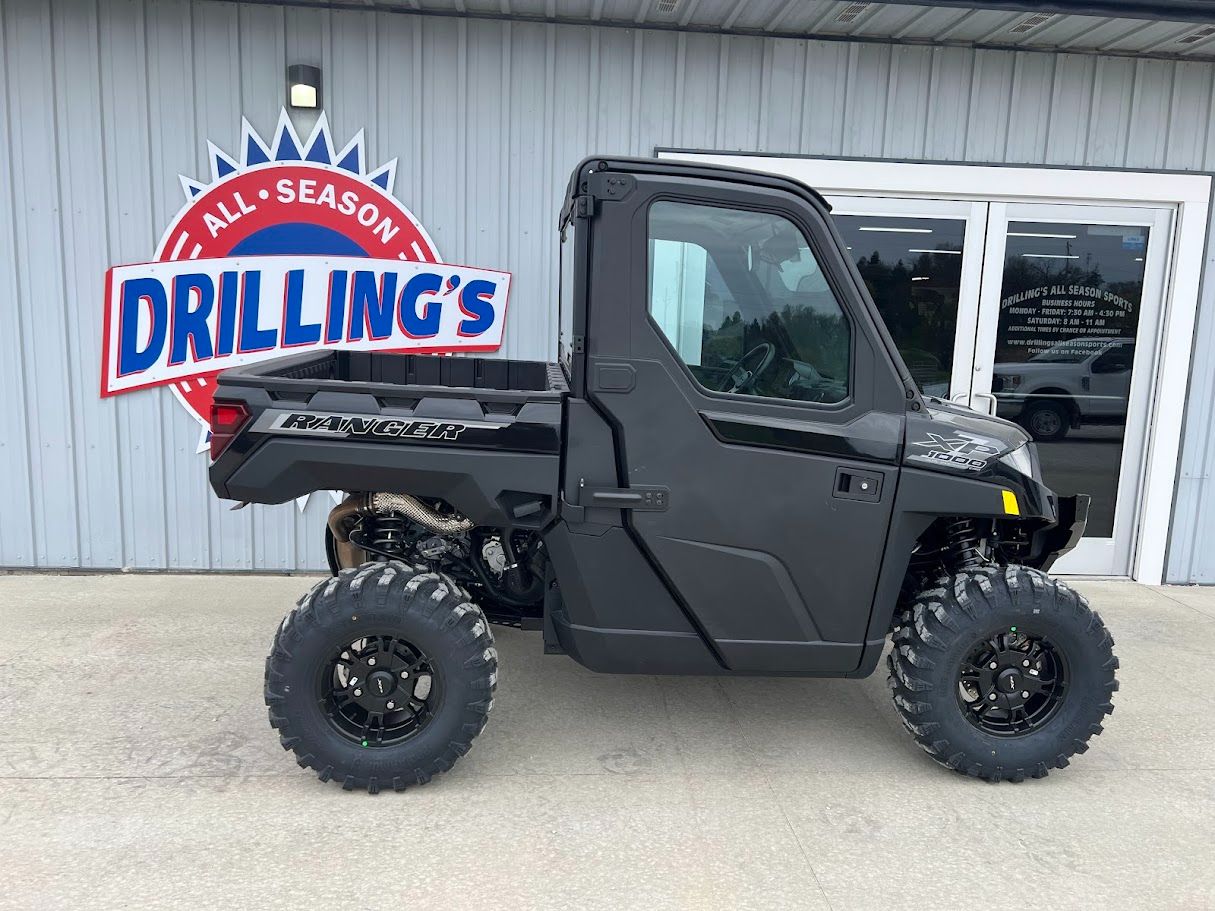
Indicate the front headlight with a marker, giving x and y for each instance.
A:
(1020, 460)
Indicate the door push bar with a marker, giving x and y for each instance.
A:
(642, 498)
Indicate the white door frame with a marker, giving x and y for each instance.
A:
(1188, 194)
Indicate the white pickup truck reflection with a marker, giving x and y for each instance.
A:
(1076, 382)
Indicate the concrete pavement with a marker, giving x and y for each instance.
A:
(137, 770)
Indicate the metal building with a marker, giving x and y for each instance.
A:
(1094, 127)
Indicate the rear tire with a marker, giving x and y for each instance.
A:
(409, 620)
(969, 715)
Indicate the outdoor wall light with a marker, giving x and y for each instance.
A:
(304, 86)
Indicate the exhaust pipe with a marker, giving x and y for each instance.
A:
(369, 504)
(416, 511)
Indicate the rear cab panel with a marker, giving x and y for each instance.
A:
(482, 434)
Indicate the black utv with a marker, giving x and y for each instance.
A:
(729, 471)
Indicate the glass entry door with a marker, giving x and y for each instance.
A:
(1067, 339)
(922, 261)
(1047, 315)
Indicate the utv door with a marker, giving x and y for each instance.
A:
(731, 349)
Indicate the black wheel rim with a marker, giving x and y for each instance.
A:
(1012, 683)
(378, 691)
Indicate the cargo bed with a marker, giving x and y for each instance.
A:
(480, 433)
(338, 371)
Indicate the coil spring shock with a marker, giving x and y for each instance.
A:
(386, 535)
(963, 543)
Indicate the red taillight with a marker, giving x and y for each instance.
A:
(227, 418)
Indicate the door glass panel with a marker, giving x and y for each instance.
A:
(679, 293)
(913, 270)
(740, 297)
(1065, 347)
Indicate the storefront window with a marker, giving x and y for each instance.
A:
(913, 270)
(1065, 347)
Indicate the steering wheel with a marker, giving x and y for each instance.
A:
(745, 371)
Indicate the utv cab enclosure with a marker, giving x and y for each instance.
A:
(729, 470)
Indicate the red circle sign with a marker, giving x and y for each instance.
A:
(278, 203)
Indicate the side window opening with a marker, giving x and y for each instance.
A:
(740, 297)
(565, 300)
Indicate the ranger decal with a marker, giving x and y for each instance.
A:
(345, 426)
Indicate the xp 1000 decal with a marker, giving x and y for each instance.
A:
(957, 449)
(293, 245)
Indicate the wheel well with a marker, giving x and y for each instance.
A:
(940, 549)
(1054, 394)
(929, 559)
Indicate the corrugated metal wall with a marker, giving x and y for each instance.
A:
(105, 103)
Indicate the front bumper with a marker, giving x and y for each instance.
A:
(1049, 544)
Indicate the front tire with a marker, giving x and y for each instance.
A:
(381, 677)
(1002, 673)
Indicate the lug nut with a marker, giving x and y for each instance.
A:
(392, 705)
(404, 674)
(1025, 663)
(1024, 694)
(371, 662)
(358, 692)
(993, 665)
(992, 697)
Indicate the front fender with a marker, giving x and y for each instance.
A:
(1051, 542)
(925, 496)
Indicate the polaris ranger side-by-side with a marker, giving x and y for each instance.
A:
(729, 471)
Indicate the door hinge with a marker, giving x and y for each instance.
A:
(584, 206)
(609, 185)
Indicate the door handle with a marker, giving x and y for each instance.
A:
(988, 400)
(857, 485)
(968, 400)
(652, 499)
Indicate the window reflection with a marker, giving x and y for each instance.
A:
(1065, 346)
(913, 270)
(741, 299)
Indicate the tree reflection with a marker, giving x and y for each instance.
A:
(920, 314)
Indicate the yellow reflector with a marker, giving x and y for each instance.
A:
(1010, 503)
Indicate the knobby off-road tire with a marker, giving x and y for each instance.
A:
(428, 611)
(944, 627)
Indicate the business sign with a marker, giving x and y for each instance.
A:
(1084, 317)
(292, 246)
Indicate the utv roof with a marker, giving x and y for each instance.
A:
(699, 169)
